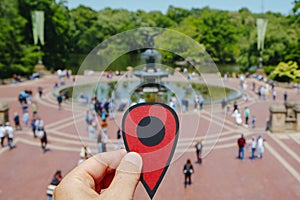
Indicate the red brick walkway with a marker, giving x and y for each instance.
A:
(26, 170)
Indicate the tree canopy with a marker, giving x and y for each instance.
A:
(286, 72)
(70, 34)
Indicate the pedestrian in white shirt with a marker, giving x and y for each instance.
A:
(253, 148)
(260, 146)
(9, 131)
(39, 124)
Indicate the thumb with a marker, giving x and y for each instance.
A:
(126, 178)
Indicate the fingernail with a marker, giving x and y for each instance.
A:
(134, 158)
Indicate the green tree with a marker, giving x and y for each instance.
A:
(160, 20)
(228, 37)
(56, 29)
(296, 7)
(16, 56)
(177, 14)
(190, 26)
(246, 30)
(82, 40)
(286, 72)
(218, 35)
(281, 41)
(293, 51)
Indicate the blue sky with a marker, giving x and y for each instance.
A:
(282, 6)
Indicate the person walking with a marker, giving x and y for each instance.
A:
(104, 126)
(8, 132)
(260, 146)
(40, 91)
(85, 153)
(21, 99)
(2, 136)
(54, 182)
(104, 134)
(44, 140)
(223, 105)
(199, 147)
(66, 95)
(87, 117)
(99, 143)
(241, 144)
(235, 106)
(91, 130)
(112, 108)
(174, 100)
(104, 142)
(34, 109)
(17, 121)
(119, 138)
(33, 127)
(225, 76)
(253, 148)
(106, 106)
(188, 170)
(238, 117)
(273, 86)
(201, 102)
(246, 114)
(24, 107)
(259, 92)
(29, 96)
(186, 103)
(285, 96)
(196, 100)
(59, 101)
(39, 124)
(253, 121)
(183, 107)
(26, 118)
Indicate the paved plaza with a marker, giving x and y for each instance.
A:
(26, 170)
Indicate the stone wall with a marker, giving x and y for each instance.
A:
(4, 112)
(297, 110)
(285, 117)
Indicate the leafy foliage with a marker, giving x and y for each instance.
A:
(228, 37)
(286, 72)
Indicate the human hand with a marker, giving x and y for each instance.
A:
(117, 171)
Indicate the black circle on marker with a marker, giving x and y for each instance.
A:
(150, 131)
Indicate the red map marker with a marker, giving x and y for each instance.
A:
(151, 129)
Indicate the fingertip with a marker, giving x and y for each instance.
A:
(135, 159)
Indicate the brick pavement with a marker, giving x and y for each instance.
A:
(27, 170)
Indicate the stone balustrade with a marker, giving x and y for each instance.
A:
(3, 112)
(285, 117)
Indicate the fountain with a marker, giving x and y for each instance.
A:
(151, 72)
(151, 85)
(151, 60)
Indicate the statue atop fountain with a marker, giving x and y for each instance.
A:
(150, 39)
(152, 61)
